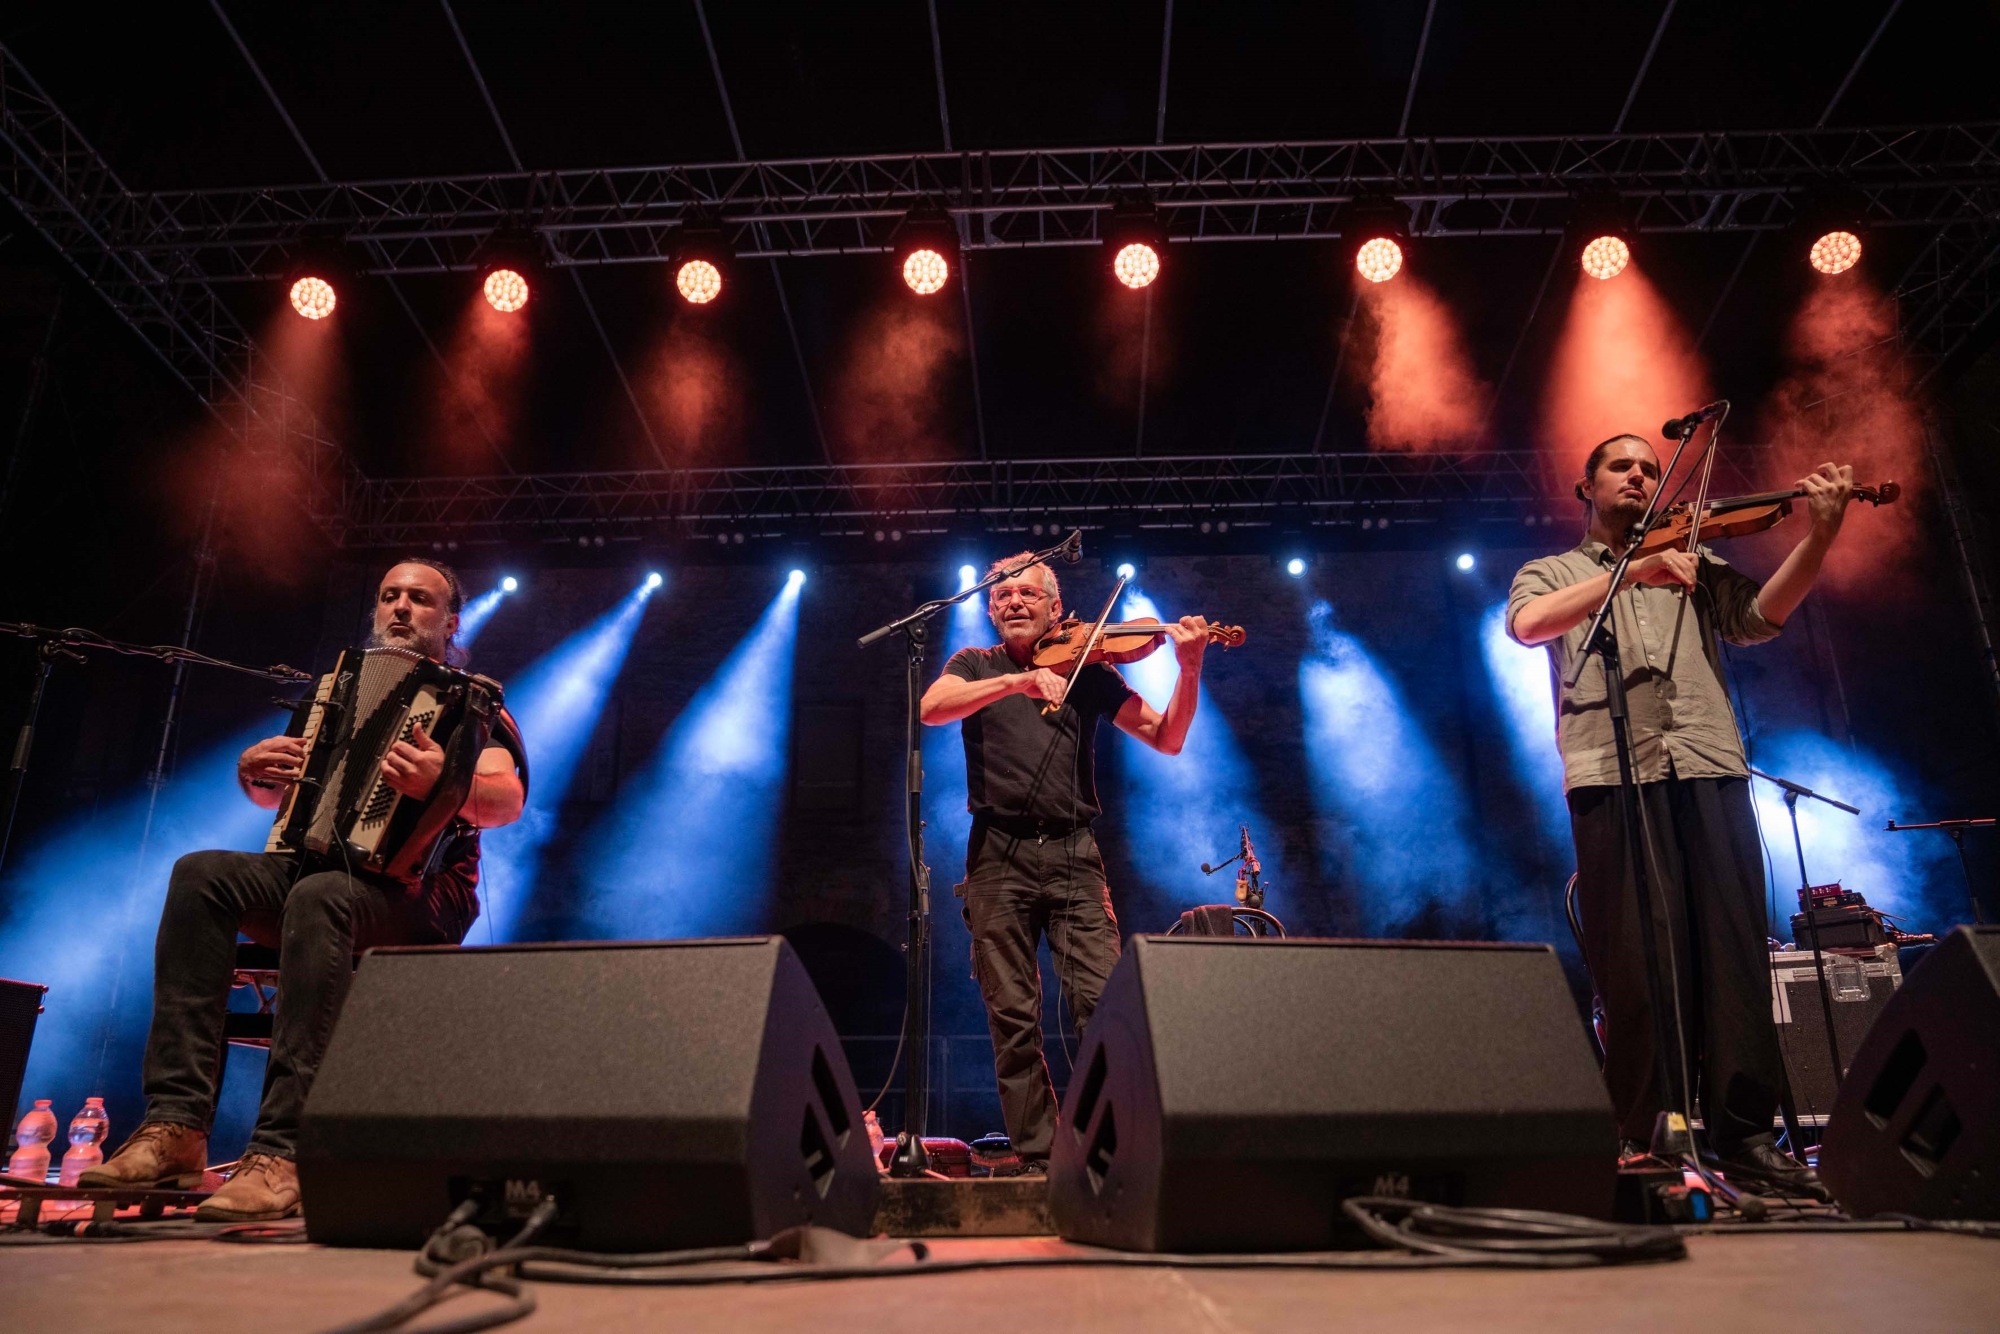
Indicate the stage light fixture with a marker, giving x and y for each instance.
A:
(1465, 561)
(1836, 252)
(654, 580)
(795, 578)
(926, 250)
(313, 297)
(967, 577)
(1126, 570)
(1606, 257)
(698, 281)
(1295, 567)
(1379, 260)
(925, 270)
(1136, 265)
(1137, 242)
(506, 290)
(510, 584)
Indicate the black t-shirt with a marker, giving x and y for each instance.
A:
(456, 874)
(1019, 762)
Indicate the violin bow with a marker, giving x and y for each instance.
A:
(1083, 658)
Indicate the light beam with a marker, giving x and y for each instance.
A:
(689, 849)
(557, 702)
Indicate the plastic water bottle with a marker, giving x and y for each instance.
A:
(875, 1139)
(31, 1156)
(86, 1140)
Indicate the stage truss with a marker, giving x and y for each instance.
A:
(881, 505)
(162, 260)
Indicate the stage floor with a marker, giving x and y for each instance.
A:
(1753, 1284)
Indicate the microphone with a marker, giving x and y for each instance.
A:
(1073, 546)
(1679, 426)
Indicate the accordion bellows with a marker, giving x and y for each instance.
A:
(341, 807)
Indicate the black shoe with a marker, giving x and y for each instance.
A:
(1766, 1165)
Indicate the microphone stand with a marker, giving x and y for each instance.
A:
(910, 1159)
(52, 646)
(1956, 828)
(1793, 791)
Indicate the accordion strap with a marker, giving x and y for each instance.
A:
(461, 758)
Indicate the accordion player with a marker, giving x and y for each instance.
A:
(343, 807)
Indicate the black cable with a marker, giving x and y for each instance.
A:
(1422, 1236)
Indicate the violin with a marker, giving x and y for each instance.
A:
(1125, 641)
(1739, 515)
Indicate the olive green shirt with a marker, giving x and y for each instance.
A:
(1681, 722)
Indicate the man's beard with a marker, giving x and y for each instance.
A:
(431, 646)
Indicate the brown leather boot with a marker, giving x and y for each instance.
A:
(261, 1188)
(158, 1156)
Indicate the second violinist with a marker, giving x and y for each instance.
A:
(1032, 865)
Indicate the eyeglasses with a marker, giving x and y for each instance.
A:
(1030, 595)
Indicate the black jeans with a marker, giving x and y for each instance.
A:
(318, 921)
(1709, 902)
(1016, 890)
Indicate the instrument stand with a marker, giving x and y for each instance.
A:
(910, 1158)
(1956, 828)
(1793, 791)
(53, 645)
(47, 651)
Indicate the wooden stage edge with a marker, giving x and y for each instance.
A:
(1736, 1283)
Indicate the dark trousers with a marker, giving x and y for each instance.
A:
(1708, 887)
(318, 921)
(1016, 890)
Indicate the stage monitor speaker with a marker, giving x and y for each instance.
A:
(666, 1094)
(1230, 1093)
(1915, 1127)
(20, 1007)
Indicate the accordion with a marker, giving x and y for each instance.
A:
(341, 807)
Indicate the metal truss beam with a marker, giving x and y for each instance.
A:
(857, 500)
(1724, 181)
(69, 193)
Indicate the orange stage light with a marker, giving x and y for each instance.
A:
(1606, 257)
(1836, 252)
(506, 291)
(1136, 265)
(313, 298)
(1379, 260)
(699, 281)
(925, 271)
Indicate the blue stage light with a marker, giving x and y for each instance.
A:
(1390, 813)
(654, 580)
(1912, 876)
(1295, 567)
(689, 847)
(1521, 681)
(1465, 560)
(557, 701)
(1183, 810)
(82, 913)
(795, 578)
(510, 585)
(473, 616)
(967, 577)
(1125, 571)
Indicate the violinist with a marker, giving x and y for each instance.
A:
(1688, 759)
(1031, 865)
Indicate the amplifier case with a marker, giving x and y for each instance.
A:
(1229, 1093)
(668, 1095)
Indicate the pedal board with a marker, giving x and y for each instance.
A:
(1650, 1194)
